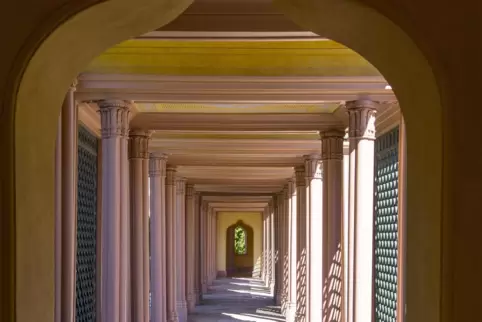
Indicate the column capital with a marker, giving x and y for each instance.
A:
(361, 118)
(73, 85)
(300, 175)
(181, 185)
(170, 175)
(332, 145)
(312, 170)
(114, 118)
(139, 144)
(157, 165)
(190, 192)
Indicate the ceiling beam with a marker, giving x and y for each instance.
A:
(231, 89)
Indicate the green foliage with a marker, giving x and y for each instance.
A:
(240, 247)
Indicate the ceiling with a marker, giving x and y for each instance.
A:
(235, 94)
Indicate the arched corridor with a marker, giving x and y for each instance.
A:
(164, 135)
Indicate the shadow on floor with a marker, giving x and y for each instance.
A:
(237, 299)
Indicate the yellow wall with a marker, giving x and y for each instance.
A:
(226, 219)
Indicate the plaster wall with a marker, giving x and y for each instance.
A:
(226, 219)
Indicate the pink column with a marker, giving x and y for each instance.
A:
(125, 230)
(197, 249)
(171, 270)
(204, 247)
(264, 271)
(332, 163)
(272, 245)
(292, 261)
(279, 247)
(208, 246)
(314, 231)
(115, 237)
(145, 235)
(285, 246)
(138, 153)
(301, 225)
(190, 247)
(157, 173)
(362, 148)
(68, 222)
(181, 249)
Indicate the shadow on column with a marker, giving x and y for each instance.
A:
(301, 287)
(332, 288)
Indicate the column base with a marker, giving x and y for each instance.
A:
(182, 311)
(172, 317)
(191, 302)
(291, 312)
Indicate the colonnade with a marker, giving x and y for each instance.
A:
(158, 236)
(304, 229)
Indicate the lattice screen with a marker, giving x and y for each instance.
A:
(386, 226)
(86, 227)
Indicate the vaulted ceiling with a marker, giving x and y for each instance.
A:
(235, 94)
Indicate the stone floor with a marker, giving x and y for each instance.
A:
(237, 299)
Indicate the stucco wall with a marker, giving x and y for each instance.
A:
(226, 219)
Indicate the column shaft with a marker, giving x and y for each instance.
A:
(278, 249)
(332, 271)
(272, 247)
(314, 247)
(58, 223)
(292, 262)
(171, 271)
(301, 224)
(361, 138)
(68, 178)
(285, 248)
(157, 173)
(114, 124)
(204, 247)
(197, 243)
(181, 249)
(138, 156)
(190, 247)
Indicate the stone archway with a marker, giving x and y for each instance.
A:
(74, 41)
(239, 264)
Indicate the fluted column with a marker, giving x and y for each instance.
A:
(68, 220)
(361, 133)
(115, 220)
(190, 247)
(181, 249)
(157, 173)
(301, 243)
(208, 245)
(332, 271)
(314, 246)
(138, 154)
(292, 262)
(171, 270)
(204, 247)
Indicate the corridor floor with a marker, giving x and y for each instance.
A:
(237, 299)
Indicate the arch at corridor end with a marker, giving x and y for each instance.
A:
(68, 49)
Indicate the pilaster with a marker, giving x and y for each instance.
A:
(68, 205)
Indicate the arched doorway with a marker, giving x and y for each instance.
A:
(239, 250)
(61, 56)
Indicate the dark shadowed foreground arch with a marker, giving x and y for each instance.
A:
(239, 264)
(70, 47)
